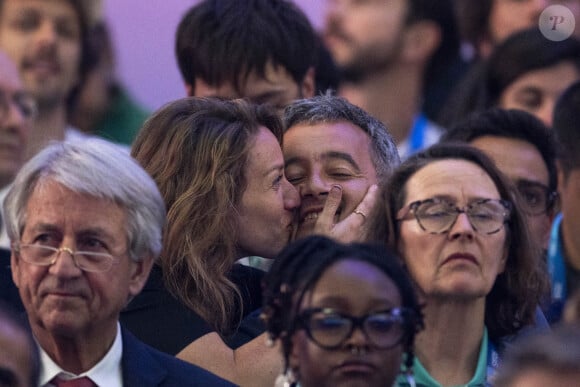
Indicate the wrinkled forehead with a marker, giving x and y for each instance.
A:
(340, 136)
(461, 180)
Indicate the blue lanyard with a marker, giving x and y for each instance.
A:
(492, 362)
(556, 266)
(557, 271)
(417, 136)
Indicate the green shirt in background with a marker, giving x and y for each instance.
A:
(123, 119)
(424, 379)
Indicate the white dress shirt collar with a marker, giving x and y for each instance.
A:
(107, 372)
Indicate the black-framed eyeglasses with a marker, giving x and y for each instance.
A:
(42, 255)
(329, 329)
(536, 198)
(437, 216)
(23, 101)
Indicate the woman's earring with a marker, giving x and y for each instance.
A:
(287, 379)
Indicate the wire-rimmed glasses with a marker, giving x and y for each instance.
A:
(437, 216)
(42, 255)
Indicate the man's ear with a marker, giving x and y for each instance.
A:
(485, 47)
(15, 268)
(139, 274)
(420, 41)
(561, 177)
(308, 84)
(188, 90)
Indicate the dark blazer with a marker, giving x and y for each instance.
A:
(160, 320)
(8, 291)
(144, 366)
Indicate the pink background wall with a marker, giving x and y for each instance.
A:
(144, 36)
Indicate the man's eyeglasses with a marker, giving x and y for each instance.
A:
(329, 329)
(437, 216)
(536, 197)
(23, 101)
(42, 255)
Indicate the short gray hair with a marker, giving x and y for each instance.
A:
(330, 109)
(99, 169)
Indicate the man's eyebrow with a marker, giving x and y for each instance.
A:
(342, 156)
(327, 155)
(528, 89)
(45, 227)
(265, 97)
(292, 160)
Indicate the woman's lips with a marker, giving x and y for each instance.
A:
(460, 257)
(356, 366)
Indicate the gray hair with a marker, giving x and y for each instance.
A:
(330, 109)
(99, 169)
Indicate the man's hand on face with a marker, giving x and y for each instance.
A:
(353, 227)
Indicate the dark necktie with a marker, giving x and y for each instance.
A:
(79, 382)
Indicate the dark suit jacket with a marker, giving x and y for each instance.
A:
(144, 366)
(8, 291)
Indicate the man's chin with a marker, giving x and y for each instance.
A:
(304, 231)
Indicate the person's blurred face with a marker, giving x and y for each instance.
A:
(364, 36)
(354, 288)
(266, 211)
(569, 188)
(460, 263)
(61, 300)
(509, 16)
(319, 156)
(43, 37)
(521, 162)
(15, 357)
(14, 123)
(276, 88)
(543, 377)
(537, 91)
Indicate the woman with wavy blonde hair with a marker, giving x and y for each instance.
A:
(220, 170)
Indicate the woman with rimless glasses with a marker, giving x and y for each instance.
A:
(343, 314)
(454, 219)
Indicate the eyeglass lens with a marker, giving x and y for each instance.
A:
(85, 260)
(435, 216)
(535, 197)
(330, 329)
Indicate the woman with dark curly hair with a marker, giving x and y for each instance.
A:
(343, 314)
(455, 221)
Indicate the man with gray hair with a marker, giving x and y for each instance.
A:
(335, 154)
(85, 224)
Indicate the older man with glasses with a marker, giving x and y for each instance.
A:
(85, 224)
